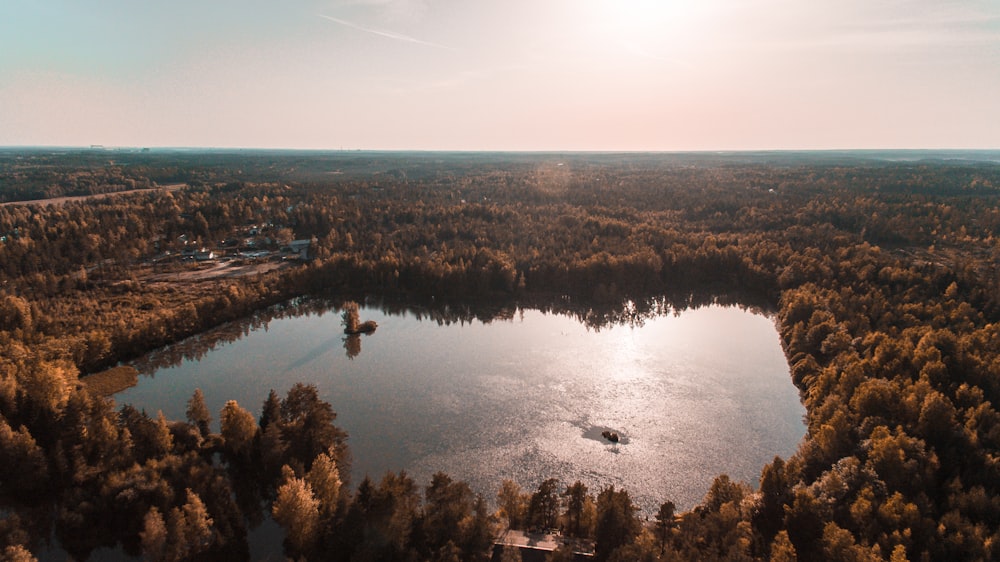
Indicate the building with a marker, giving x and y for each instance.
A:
(302, 248)
(538, 546)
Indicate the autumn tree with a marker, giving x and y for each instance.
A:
(154, 536)
(324, 480)
(15, 314)
(782, 549)
(513, 504)
(616, 524)
(804, 520)
(350, 317)
(306, 425)
(543, 508)
(239, 429)
(23, 467)
(774, 495)
(190, 529)
(197, 412)
(447, 504)
(576, 504)
(17, 553)
(382, 522)
(665, 524)
(296, 509)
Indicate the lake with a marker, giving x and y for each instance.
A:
(692, 394)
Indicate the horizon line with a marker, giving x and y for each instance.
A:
(112, 148)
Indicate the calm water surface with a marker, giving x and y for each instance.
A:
(693, 395)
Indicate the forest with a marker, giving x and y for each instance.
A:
(882, 269)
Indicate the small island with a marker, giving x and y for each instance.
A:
(352, 321)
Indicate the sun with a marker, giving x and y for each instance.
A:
(645, 26)
(642, 15)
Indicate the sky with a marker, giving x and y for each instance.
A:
(603, 75)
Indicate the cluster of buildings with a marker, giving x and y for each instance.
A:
(250, 245)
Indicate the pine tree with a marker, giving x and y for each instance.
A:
(296, 509)
(153, 536)
(197, 412)
(239, 428)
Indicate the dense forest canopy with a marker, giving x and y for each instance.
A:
(882, 268)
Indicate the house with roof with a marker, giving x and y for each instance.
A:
(301, 248)
(537, 547)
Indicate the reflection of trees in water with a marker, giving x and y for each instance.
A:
(634, 313)
(626, 312)
(352, 344)
(196, 347)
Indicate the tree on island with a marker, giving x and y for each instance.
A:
(352, 322)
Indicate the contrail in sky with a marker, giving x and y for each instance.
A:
(383, 33)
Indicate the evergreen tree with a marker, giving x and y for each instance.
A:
(617, 524)
(543, 509)
(197, 412)
(239, 429)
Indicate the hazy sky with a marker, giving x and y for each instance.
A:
(502, 75)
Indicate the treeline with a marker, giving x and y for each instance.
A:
(168, 490)
(37, 175)
(882, 274)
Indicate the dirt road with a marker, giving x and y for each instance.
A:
(63, 200)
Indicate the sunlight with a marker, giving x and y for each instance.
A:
(647, 28)
(627, 364)
(643, 15)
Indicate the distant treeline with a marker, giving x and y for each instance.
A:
(882, 274)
